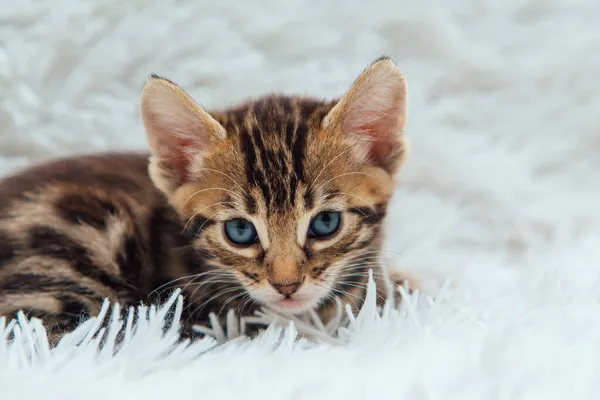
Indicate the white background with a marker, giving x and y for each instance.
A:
(500, 194)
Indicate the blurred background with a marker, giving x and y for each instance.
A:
(503, 180)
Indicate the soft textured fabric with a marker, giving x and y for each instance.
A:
(496, 213)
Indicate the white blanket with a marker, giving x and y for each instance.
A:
(496, 214)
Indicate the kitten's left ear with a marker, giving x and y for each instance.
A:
(372, 114)
(179, 132)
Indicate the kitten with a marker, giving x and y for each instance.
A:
(278, 202)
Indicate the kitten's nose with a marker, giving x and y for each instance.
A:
(287, 289)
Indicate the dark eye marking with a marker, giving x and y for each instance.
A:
(309, 198)
(307, 251)
(250, 275)
(370, 216)
(195, 227)
(250, 203)
(332, 195)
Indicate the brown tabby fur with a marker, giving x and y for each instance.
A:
(80, 229)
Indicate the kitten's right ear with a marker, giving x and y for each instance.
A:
(178, 130)
(372, 113)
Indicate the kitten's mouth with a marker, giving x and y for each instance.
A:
(307, 298)
(291, 304)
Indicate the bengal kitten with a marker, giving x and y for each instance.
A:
(278, 203)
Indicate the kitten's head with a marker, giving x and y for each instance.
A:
(284, 194)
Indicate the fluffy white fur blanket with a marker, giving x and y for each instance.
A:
(497, 212)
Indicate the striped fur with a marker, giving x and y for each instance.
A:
(76, 230)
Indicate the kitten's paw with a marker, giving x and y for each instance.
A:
(398, 279)
(402, 279)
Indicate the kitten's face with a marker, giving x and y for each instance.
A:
(286, 211)
(280, 196)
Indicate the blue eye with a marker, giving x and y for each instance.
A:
(324, 224)
(241, 232)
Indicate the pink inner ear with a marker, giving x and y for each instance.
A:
(379, 150)
(377, 130)
(180, 161)
(374, 112)
(175, 157)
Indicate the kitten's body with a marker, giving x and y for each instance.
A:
(75, 231)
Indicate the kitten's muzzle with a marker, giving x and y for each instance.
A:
(287, 289)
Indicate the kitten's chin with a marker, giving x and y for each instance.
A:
(292, 305)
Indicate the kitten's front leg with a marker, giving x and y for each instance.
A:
(396, 279)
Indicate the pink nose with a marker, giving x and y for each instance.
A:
(287, 289)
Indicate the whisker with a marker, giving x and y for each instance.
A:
(240, 309)
(219, 285)
(343, 276)
(194, 276)
(220, 293)
(204, 283)
(230, 300)
(350, 296)
(363, 275)
(355, 258)
(364, 262)
(342, 293)
(344, 174)
(362, 200)
(195, 214)
(224, 174)
(384, 251)
(357, 269)
(205, 190)
(170, 284)
(374, 262)
(376, 267)
(352, 284)
(329, 163)
(249, 301)
(363, 288)
(214, 281)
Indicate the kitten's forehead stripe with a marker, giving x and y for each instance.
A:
(196, 225)
(273, 138)
(299, 149)
(260, 169)
(290, 134)
(250, 204)
(249, 156)
(309, 198)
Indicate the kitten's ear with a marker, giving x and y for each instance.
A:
(178, 130)
(372, 114)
